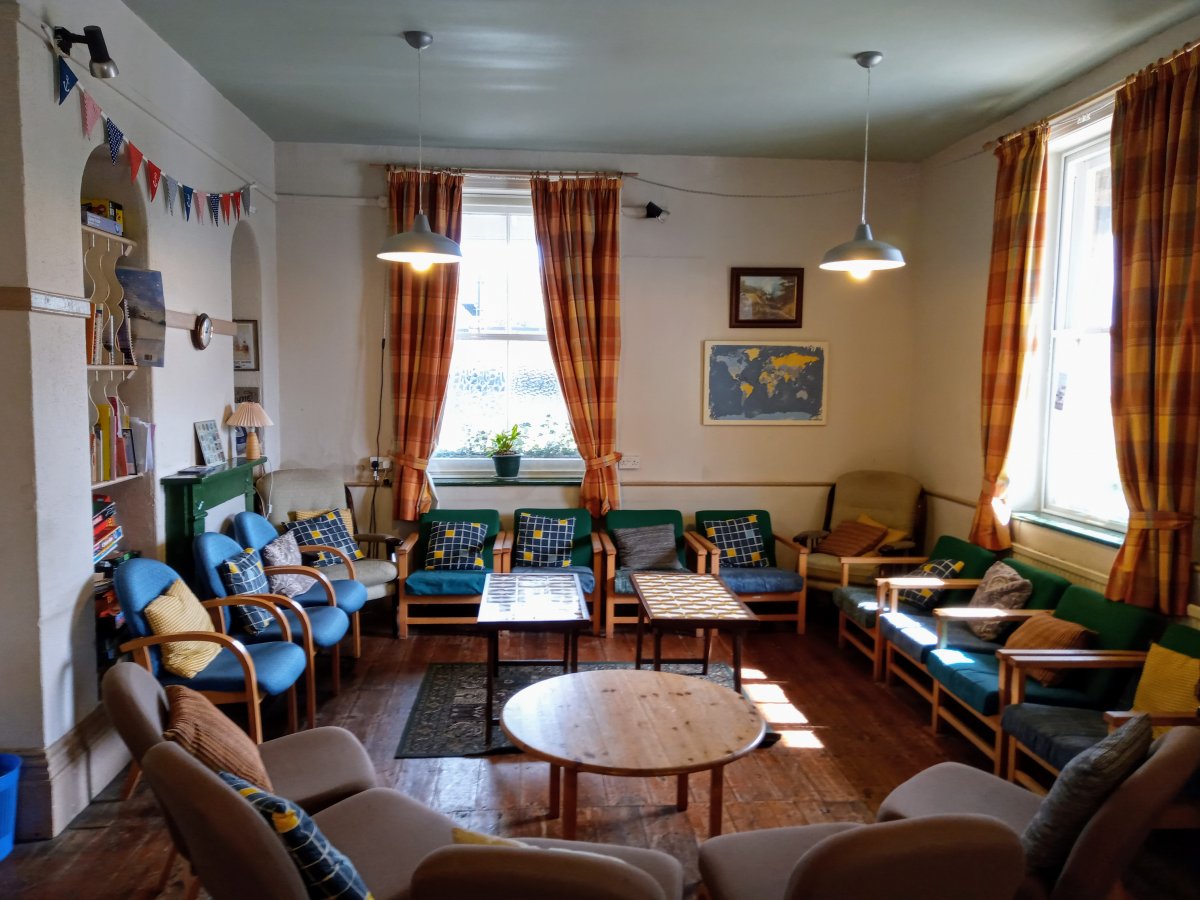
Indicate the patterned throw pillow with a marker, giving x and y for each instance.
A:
(851, 539)
(456, 545)
(1048, 633)
(211, 736)
(325, 870)
(1002, 587)
(1168, 684)
(928, 598)
(1080, 789)
(328, 529)
(177, 609)
(284, 551)
(543, 541)
(347, 517)
(647, 547)
(739, 542)
(243, 574)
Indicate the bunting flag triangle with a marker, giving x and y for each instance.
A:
(67, 80)
(246, 199)
(198, 201)
(135, 161)
(236, 196)
(225, 201)
(187, 201)
(214, 207)
(172, 190)
(89, 110)
(153, 176)
(114, 136)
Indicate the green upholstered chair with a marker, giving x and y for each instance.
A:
(859, 607)
(441, 596)
(619, 600)
(772, 593)
(970, 689)
(587, 555)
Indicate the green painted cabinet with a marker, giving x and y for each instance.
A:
(190, 497)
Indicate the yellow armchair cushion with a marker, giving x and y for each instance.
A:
(1168, 683)
(177, 609)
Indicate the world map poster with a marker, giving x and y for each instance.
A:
(767, 383)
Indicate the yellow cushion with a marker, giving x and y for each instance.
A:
(1168, 684)
(893, 534)
(462, 836)
(177, 609)
(298, 515)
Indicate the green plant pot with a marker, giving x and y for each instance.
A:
(507, 465)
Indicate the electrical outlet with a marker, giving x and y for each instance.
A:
(381, 462)
(629, 461)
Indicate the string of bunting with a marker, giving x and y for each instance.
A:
(216, 206)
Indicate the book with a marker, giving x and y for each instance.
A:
(107, 545)
(200, 470)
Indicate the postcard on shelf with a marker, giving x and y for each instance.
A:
(209, 436)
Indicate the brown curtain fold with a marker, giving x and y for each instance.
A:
(578, 235)
(1155, 347)
(1018, 237)
(422, 334)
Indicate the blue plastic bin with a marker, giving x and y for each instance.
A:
(10, 774)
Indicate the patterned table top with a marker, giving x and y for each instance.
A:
(509, 598)
(690, 596)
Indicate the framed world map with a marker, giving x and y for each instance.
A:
(765, 383)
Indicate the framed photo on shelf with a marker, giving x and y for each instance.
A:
(212, 450)
(245, 345)
(766, 298)
(247, 394)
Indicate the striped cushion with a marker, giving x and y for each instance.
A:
(1168, 684)
(325, 870)
(243, 574)
(211, 736)
(456, 545)
(543, 541)
(851, 539)
(177, 609)
(328, 528)
(739, 541)
(1048, 633)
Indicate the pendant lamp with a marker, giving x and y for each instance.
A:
(863, 255)
(420, 246)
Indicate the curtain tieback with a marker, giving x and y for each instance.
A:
(991, 486)
(419, 463)
(1159, 521)
(600, 462)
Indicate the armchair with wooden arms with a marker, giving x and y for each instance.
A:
(586, 553)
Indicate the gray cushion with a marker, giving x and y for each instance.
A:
(648, 547)
(318, 767)
(767, 580)
(857, 603)
(951, 788)
(757, 865)
(284, 551)
(1002, 588)
(1056, 734)
(1080, 789)
(376, 575)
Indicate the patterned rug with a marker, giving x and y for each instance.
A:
(447, 717)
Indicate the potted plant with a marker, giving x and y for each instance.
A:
(502, 447)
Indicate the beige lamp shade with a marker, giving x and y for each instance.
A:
(251, 416)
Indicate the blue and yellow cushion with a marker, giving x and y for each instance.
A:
(456, 545)
(739, 541)
(325, 871)
(927, 598)
(243, 574)
(544, 542)
(329, 529)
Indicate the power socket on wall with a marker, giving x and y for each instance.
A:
(630, 461)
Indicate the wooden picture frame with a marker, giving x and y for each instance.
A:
(245, 345)
(769, 297)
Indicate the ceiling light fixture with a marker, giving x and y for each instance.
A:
(101, 65)
(863, 255)
(420, 246)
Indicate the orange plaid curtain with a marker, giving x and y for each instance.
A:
(1156, 327)
(576, 221)
(422, 337)
(1018, 232)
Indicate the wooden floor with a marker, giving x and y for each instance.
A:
(845, 743)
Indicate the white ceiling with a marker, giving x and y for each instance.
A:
(770, 78)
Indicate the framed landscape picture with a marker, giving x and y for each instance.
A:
(765, 383)
(766, 298)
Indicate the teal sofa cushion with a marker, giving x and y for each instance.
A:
(975, 680)
(762, 581)
(445, 583)
(1056, 734)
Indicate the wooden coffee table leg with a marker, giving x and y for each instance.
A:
(737, 661)
(570, 803)
(681, 792)
(716, 800)
(657, 649)
(493, 662)
(555, 807)
(637, 653)
(707, 649)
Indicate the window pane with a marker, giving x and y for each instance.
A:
(1086, 256)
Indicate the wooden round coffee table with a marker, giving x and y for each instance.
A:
(634, 723)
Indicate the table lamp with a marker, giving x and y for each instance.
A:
(251, 416)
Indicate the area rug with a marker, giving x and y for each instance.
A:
(447, 717)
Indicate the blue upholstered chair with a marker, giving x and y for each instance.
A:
(587, 555)
(772, 593)
(252, 530)
(317, 627)
(240, 673)
(429, 596)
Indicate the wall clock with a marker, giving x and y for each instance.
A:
(202, 331)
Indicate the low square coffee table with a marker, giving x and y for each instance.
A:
(551, 602)
(684, 601)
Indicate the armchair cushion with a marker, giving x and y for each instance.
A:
(928, 598)
(208, 734)
(647, 547)
(284, 551)
(852, 538)
(762, 581)
(347, 517)
(1056, 734)
(445, 583)
(243, 574)
(1049, 633)
(974, 678)
(739, 541)
(543, 541)
(328, 529)
(177, 609)
(456, 546)
(277, 666)
(1002, 588)
(1168, 683)
(891, 535)
(325, 871)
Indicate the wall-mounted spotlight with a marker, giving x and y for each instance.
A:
(101, 65)
(649, 211)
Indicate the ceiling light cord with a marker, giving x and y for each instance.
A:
(866, 147)
(421, 140)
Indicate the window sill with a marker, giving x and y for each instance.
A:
(493, 481)
(1093, 533)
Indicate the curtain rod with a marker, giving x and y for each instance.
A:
(509, 173)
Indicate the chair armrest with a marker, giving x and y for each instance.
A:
(334, 551)
(279, 600)
(944, 615)
(311, 572)
(903, 544)
(610, 555)
(1182, 717)
(403, 551)
(882, 560)
(810, 538)
(253, 600)
(707, 556)
(373, 540)
(502, 551)
(1013, 664)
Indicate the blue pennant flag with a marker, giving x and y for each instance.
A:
(187, 203)
(67, 80)
(114, 136)
(214, 207)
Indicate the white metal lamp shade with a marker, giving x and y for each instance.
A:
(420, 246)
(862, 255)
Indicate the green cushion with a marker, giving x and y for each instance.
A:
(445, 583)
(764, 525)
(581, 550)
(640, 518)
(1181, 639)
(487, 517)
